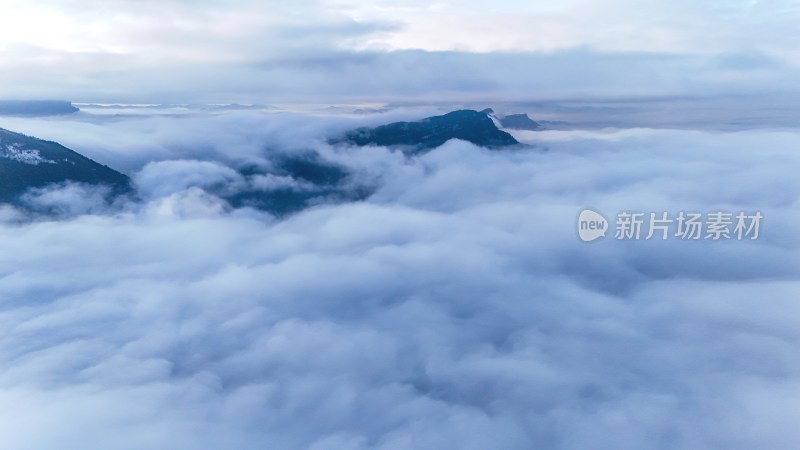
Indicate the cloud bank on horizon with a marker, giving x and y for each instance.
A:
(318, 51)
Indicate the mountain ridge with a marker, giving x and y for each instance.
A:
(27, 162)
(36, 107)
(431, 132)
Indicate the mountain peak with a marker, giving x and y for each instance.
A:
(431, 132)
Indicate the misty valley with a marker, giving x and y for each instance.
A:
(278, 181)
(384, 276)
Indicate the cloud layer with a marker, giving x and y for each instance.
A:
(329, 51)
(455, 308)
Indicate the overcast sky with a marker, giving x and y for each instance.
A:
(355, 51)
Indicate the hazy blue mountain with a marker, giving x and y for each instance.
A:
(414, 137)
(35, 107)
(27, 162)
(293, 183)
(520, 122)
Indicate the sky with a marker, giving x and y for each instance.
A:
(250, 51)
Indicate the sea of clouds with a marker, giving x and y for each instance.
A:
(455, 308)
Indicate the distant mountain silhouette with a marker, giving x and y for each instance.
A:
(520, 122)
(35, 108)
(416, 137)
(27, 162)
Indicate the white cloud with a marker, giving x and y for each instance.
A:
(162, 178)
(615, 26)
(455, 308)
